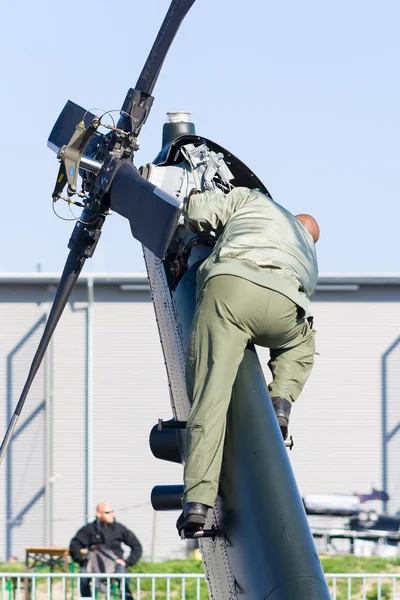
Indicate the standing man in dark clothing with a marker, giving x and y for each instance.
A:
(99, 543)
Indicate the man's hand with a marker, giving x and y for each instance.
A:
(119, 561)
(193, 191)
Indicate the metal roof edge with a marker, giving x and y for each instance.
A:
(54, 278)
(359, 279)
(141, 278)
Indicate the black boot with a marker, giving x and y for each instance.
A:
(282, 410)
(193, 517)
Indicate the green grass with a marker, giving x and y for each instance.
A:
(331, 564)
(354, 564)
(169, 566)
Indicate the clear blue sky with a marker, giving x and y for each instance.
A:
(306, 93)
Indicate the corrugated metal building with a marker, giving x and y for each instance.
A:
(83, 434)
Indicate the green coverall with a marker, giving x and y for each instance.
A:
(255, 286)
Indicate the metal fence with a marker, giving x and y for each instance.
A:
(163, 586)
(68, 586)
(364, 586)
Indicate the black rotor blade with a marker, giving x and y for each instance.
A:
(81, 249)
(152, 213)
(66, 123)
(138, 101)
(176, 13)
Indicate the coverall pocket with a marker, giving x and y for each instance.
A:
(195, 451)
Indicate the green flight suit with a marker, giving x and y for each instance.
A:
(255, 286)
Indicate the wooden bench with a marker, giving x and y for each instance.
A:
(37, 557)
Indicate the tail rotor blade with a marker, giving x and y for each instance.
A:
(152, 213)
(138, 101)
(176, 13)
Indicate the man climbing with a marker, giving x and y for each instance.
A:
(256, 286)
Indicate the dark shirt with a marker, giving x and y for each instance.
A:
(112, 535)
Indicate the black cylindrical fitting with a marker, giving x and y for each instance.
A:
(176, 127)
(167, 497)
(165, 444)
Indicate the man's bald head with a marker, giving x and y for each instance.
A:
(104, 512)
(310, 224)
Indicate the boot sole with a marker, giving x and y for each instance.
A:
(192, 523)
